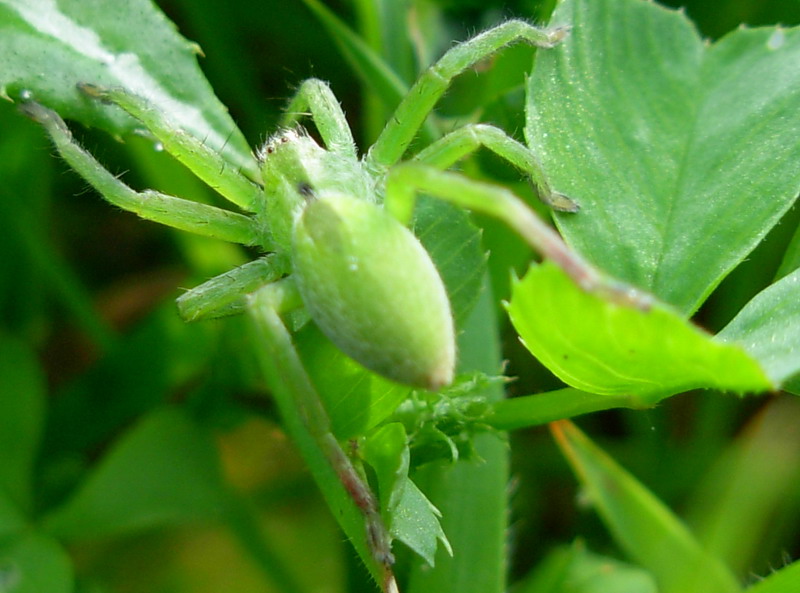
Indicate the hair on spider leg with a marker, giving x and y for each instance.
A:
(227, 139)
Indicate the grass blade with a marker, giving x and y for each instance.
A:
(642, 525)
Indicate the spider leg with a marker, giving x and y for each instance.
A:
(314, 98)
(456, 145)
(182, 214)
(226, 294)
(309, 425)
(431, 85)
(238, 186)
(406, 180)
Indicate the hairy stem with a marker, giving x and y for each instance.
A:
(310, 427)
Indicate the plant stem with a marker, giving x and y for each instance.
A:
(541, 408)
(307, 422)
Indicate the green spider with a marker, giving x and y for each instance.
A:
(333, 228)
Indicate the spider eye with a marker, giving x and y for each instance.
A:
(304, 189)
(373, 290)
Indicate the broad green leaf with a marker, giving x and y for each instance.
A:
(411, 517)
(22, 407)
(576, 570)
(681, 154)
(785, 580)
(471, 495)
(34, 563)
(454, 244)
(355, 398)
(641, 524)
(769, 328)
(601, 347)
(164, 471)
(47, 47)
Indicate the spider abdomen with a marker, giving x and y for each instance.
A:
(373, 290)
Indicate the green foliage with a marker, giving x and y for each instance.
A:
(643, 526)
(412, 519)
(21, 418)
(767, 328)
(33, 562)
(682, 156)
(48, 50)
(604, 348)
(575, 570)
(683, 159)
(163, 472)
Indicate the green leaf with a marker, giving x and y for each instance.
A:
(34, 563)
(356, 399)
(768, 327)
(415, 522)
(46, 48)
(681, 154)
(386, 450)
(411, 517)
(22, 407)
(471, 495)
(784, 580)
(576, 570)
(601, 347)
(164, 471)
(454, 244)
(641, 524)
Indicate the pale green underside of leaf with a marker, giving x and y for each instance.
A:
(601, 347)
(641, 524)
(47, 47)
(682, 155)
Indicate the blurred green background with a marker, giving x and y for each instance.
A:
(90, 291)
